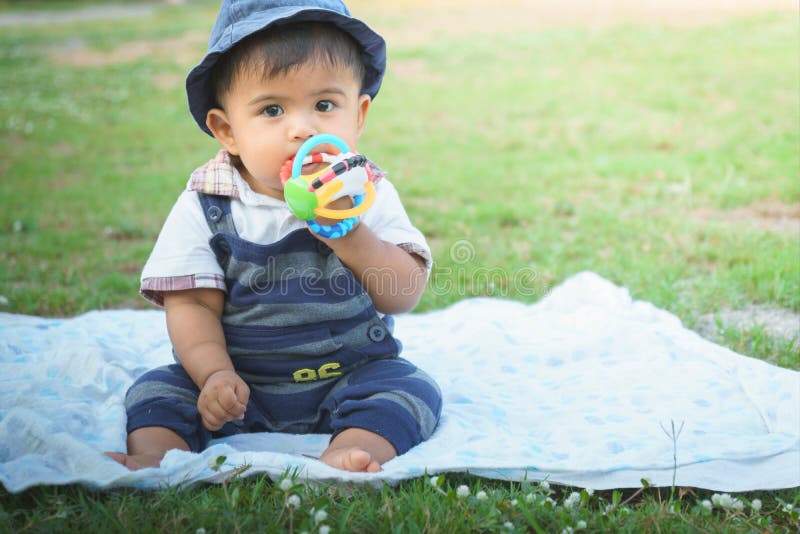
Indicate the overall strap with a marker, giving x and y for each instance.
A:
(217, 211)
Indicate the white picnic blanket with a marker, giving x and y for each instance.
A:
(578, 388)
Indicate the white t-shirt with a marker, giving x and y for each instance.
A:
(182, 257)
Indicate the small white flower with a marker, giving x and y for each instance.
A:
(324, 529)
(200, 530)
(580, 524)
(320, 516)
(756, 505)
(590, 491)
(481, 496)
(434, 481)
(567, 530)
(726, 500)
(285, 484)
(514, 502)
(293, 501)
(545, 485)
(706, 504)
(573, 499)
(529, 498)
(787, 507)
(551, 501)
(509, 525)
(462, 491)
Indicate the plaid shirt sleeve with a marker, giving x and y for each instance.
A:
(181, 258)
(153, 289)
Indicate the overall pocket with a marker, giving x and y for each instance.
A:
(268, 355)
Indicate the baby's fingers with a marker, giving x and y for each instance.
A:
(211, 422)
(217, 410)
(229, 404)
(214, 415)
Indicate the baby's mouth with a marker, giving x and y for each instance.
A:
(312, 164)
(311, 168)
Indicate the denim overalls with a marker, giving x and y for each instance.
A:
(305, 336)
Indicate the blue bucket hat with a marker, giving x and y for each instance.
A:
(238, 19)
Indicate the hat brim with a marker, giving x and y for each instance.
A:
(198, 88)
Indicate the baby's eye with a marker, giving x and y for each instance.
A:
(324, 105)
(273, 110)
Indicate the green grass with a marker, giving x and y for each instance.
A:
(16, 6)
(442, 504)
(524, 157)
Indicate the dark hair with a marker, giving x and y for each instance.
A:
(280, 49)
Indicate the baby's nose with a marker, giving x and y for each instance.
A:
(302, 129)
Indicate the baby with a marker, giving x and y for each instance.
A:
(276, 328)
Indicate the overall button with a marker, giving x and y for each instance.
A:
(214, 213)
(376, 333)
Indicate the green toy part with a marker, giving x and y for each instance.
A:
(301, 201)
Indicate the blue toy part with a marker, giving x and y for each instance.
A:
(339, 229)
(311, 142)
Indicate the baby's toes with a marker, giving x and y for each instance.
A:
(134, 462)
(118, 457)
(357, 460)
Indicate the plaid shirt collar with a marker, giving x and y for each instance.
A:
(217, 177)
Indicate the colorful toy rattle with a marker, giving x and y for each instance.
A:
(347, 175)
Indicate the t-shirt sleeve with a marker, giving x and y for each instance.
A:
(390, 222)
(182, 257)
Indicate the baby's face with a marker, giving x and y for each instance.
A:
(271, 117)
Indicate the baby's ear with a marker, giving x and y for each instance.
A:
(217, 122)
(364, 102)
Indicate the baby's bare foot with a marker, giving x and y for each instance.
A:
(134, 462)
(350, 459)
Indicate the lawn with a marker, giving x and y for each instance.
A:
(659, 154)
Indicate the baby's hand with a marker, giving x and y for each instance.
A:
(223, 398)
(343, 203)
